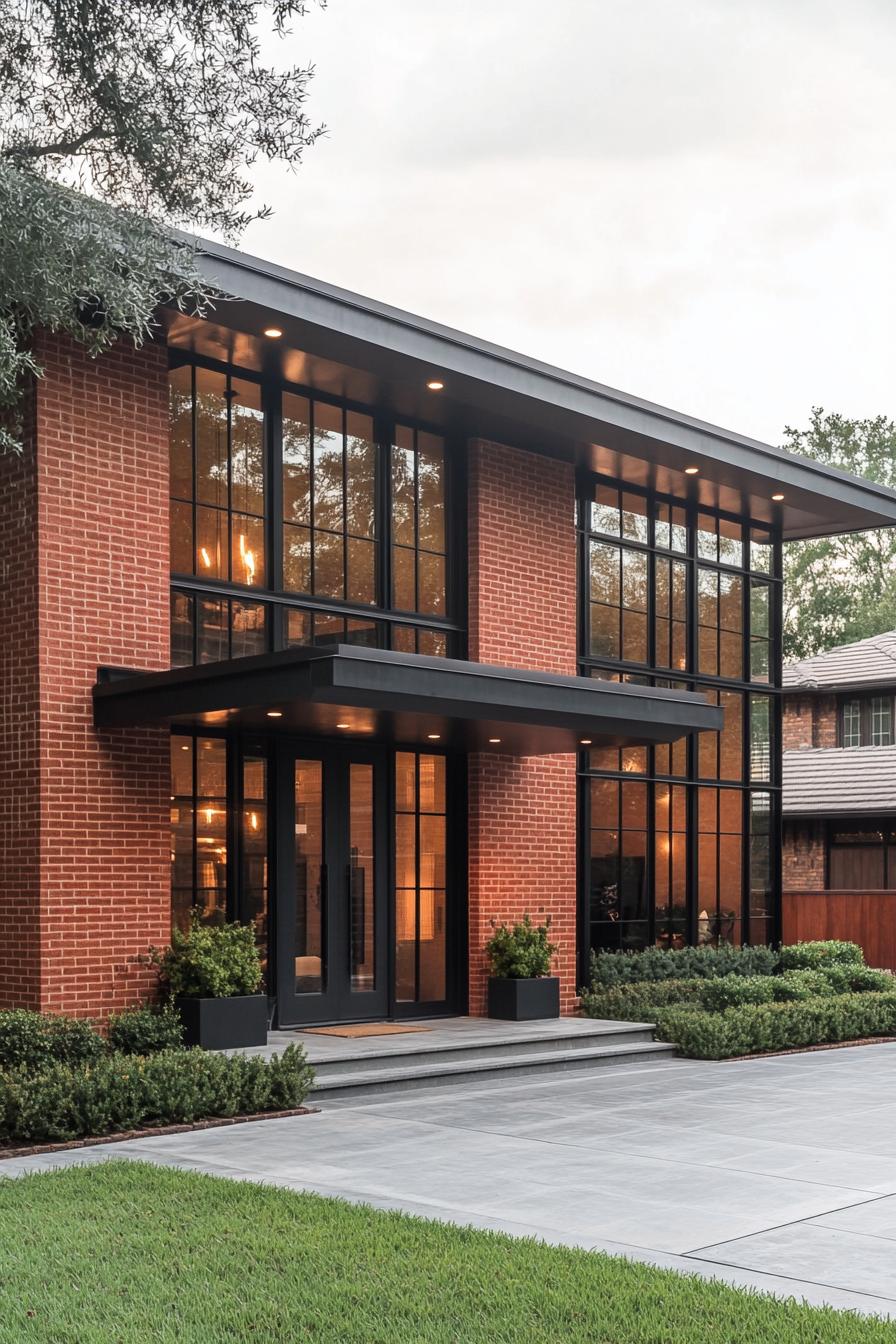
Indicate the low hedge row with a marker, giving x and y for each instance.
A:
(817, 956)
(34, 1041)
(753, 1028)
(793, 986)
(640, 1001)
(685, 963)
(121, 1092)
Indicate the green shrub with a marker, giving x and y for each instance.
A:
(120, 1092)
(521, 952)
(795, 986)
(145, 1030)
(859, 979)
(35, 1040)
(814, 956)
(685, 963)
(753, 1028)
(730, 991)
(640, 1001)
(210, 961)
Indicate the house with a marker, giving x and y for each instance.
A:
(323, 616)
(839, 801)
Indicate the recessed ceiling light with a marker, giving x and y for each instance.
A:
(273, 332)
(777, 498)
(275, 713)
(585, 741)
(494, 740)
(691, 471)
(343, 725)
(435, 385)
(434, 737)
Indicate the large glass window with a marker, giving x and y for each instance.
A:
(198, 827)
(420, 877)
(679, 837)
(361, 523)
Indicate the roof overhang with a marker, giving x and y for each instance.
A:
(346, 691)
(339, 342)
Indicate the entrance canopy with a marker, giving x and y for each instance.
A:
(355, 692)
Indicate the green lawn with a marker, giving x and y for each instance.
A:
(122, 1253)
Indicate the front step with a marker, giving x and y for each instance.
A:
(384, 1075)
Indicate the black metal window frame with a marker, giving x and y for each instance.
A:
(866, 704)
(380, 623)
(657, 767)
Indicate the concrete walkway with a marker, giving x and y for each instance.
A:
(779, 1174)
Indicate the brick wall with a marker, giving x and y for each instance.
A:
(522, 613)
(809, 721)
(92, 589)
(803, 856)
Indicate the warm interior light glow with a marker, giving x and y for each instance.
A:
(253, 820)
(777, 498)
(275, 713)
(343, 725)
(494, 740)
(273, 332)
(435, 385)
(585, 741)
(433, 737)
(691, 471)
(205, 557)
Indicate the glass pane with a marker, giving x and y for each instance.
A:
(362, 890)
(405, 849)
(296, 559)
(760, 550)
(247, 563)
(403, 579)
(211, 768)
(180, 431)
(431, 940)
(605, 515)
(881, 721)
(431, 584)
(298, 627)
(634, 517)
(248, 629)
(405, 944)
(181, 629)
(731, 602)
(246, 447)
(432, 785)
(255, 847)
(707, 538)
(181, 538)
(211, 544)
(605, 631)
(309, 934)
(731, 740)
(361, 571)
(760, 738)
(405, 780)
(433, 643)
(760, 857)
(212, 634)
(328, 468)
(403, 497)
(731, 549)
(211, 438)
(296, 459)
(430, 492)
(360, 485)
(852, 724)
(329, 580)
(605, 571)
(182, 767)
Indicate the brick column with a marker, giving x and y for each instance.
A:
(84, 554)
(522, 613)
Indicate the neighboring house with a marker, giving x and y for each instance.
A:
(839, 834)
(327, 617)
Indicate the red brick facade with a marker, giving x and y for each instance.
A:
(522, 613)
(84, 553)
(807, 722)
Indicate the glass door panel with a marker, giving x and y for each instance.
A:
(420, 879)
(310, 876)
(362, 878)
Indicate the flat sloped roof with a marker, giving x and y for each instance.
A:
(865, 663)
(840, 781)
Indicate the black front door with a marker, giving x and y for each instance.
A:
(332, 924)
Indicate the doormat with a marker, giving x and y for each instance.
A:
(363, 1029)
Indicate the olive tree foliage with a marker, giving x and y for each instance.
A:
(118, 120)
(840, 589)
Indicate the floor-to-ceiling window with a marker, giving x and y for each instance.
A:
(678, 841)
(300, 520)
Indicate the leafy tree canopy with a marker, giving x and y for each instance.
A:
(840, 589)
(118, 121)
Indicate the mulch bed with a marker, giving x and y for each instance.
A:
(149, 1132)
(809, 1049)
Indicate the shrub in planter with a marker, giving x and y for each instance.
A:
(520, 986)
(753, 1028)
(120, 1092)
(213, 972)
(685, 963)
(34, 1040)
(815, 956)
(639, 1001)
(145, 1030)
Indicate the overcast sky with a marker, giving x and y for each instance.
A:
(691, 200)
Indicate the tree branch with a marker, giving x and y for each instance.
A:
(57, 147)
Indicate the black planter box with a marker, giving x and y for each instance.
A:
(225, 1024)
(524, 1000)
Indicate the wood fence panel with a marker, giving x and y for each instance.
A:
(864, 917)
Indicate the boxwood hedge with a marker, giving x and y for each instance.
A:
(684, 963)
(753, 1028)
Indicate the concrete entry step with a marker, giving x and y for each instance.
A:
(454, 1051)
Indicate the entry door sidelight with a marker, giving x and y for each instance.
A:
(331, 909)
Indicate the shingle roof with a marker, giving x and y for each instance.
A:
(840, 781)
(868, 662)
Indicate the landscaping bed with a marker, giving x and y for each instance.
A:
(60, 1080)
(137, 1254)
(723, 1003)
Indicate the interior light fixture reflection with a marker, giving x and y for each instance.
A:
(585, 741)
(273, 332)
(494, 740)
(434, 737)
(691, 471)
(343, 725)
(435, 385)
(205, 557)
(777, 498)
(275, 713)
